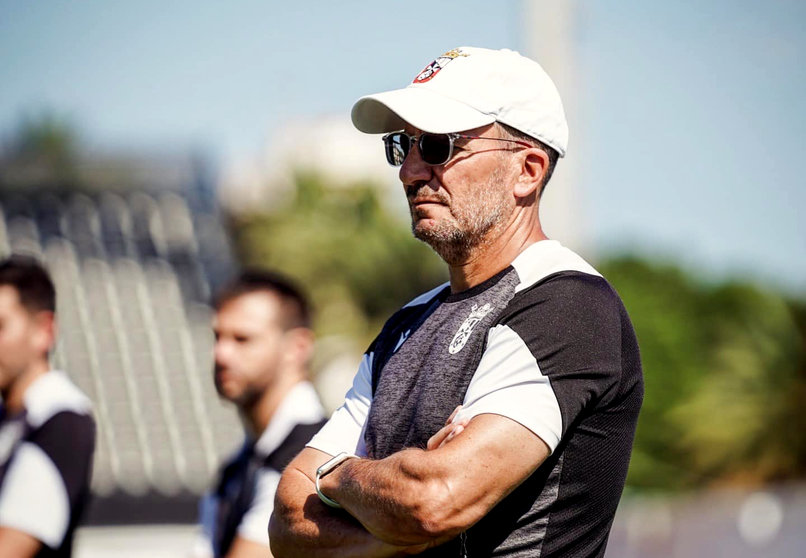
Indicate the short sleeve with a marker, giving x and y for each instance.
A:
(47, 476)
(508, 382)
(556, 352)
(344, 432)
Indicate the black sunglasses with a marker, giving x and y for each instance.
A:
(435, 149)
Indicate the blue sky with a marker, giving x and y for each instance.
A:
(693, 112)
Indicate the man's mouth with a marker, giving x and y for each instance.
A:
(425, 201)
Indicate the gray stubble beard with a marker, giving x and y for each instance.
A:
(455, 241)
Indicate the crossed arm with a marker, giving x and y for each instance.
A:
(17, 544)
(408, 502)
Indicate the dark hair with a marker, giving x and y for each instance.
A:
(296, 309)
(553, 154)
(32, 282)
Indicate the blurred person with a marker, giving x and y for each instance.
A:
(495, 414)
(47, 432)
(263, 344)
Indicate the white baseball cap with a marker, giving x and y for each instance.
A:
(469, 87)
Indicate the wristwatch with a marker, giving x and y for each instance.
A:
(324, 469)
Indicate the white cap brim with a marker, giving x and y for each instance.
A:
(422, 108)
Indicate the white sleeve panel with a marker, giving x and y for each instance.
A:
(344, 432)
(508, 382)
(255, 523)
(34, 499)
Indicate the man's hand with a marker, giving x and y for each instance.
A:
(302, 526)
(448, 432)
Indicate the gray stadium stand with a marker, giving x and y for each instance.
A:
(133, 272)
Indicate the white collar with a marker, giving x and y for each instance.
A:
(545, 258)
(51, 393)
(300, 406)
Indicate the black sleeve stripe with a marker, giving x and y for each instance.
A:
(571, 321)
(68, 438)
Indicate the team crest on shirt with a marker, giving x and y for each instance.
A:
(434, 67)
(476, 315)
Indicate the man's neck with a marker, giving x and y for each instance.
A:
(257, 416)
(14, 396)
(492, 255)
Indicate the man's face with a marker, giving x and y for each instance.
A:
(249, 346)
(25, 337)
(455, 205)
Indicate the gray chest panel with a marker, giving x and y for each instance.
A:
(427, 377)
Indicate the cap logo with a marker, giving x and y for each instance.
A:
(434, 67)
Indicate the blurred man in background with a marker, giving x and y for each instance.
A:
(527, 340)
(47, 433)
(263, 344)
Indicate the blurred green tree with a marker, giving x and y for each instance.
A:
(48, 141)
(725, 372)
(746, 422)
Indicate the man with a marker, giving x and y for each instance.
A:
(494, 415)
(47, 433)
(263, 343)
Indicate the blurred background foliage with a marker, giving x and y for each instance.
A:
(724, 362)
(725, 371)
(48, 138)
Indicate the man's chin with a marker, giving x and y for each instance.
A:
(447, 244)
(228, 391)
(426, 231)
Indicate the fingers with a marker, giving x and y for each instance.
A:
(446, 433)
(453, 415)
(457, 429)
(436, 440)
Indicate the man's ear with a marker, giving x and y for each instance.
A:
(300, 341)
(44, 333)
(534, 164)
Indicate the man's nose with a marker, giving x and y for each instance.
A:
(414, 169)
(221, 352)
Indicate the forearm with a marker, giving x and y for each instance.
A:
(416, 496)
(302, 526)
(16, 544)
(404, 499)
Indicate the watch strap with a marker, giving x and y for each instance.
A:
(326, 468)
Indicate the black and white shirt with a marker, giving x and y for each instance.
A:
(243, 499)
(45, 463)
(547, 343)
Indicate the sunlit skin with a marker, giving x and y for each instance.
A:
(477, 225)
(26, 337)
